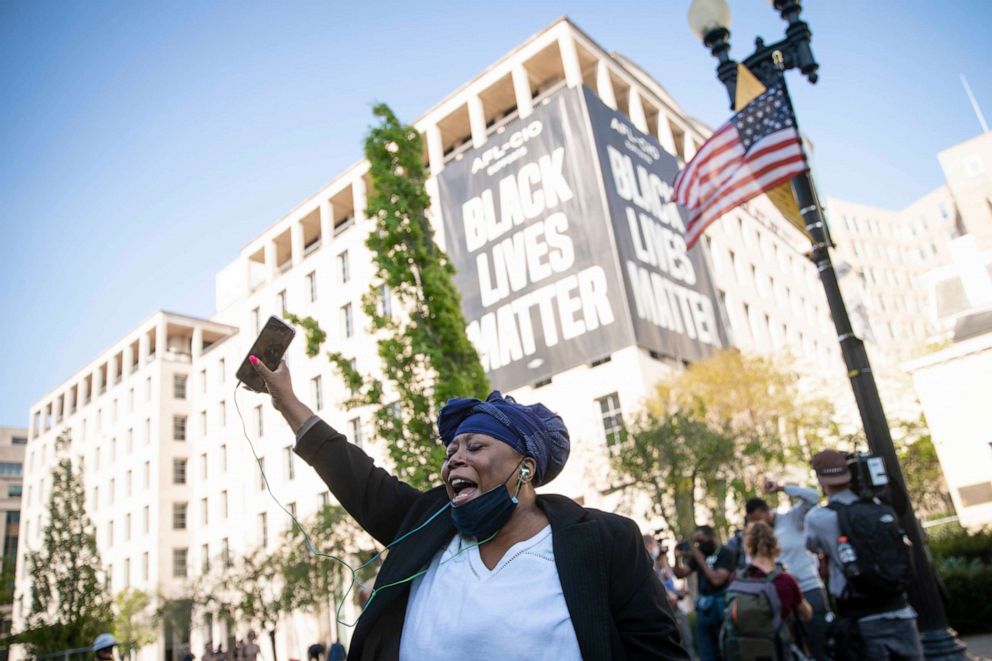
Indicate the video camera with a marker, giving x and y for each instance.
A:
(868, 476)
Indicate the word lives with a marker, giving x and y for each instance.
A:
(661, 274)
(520, 232)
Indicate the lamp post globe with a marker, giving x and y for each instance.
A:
(705, 16)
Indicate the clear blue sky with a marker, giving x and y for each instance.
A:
(144, 143)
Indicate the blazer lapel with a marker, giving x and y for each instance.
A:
(580, 560)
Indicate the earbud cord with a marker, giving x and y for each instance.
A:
(312, 549)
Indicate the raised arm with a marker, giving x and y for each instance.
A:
(377, 500)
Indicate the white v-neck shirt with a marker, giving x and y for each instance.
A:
(462, 610)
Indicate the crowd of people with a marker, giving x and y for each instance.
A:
(764, 594)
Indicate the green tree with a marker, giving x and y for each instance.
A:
(725, 422)
(134, 624)
(414, 310)
(318, 583)
(70, 604)
(921, 469)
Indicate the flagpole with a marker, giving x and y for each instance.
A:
(768, 64)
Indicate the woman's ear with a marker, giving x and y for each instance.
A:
(528, 470)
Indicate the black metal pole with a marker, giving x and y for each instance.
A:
(768, 64)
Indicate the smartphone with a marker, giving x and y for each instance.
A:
(269, 347)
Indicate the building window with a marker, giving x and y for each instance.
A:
(127, 571)
(281, 297)
(145, 520)
(221, 370)
(179, 386)
(223, 504)
(178, 471)
(290, 464)
(113, 491)
(148, 389)
(144, 566)
(203, 380)
(203, 423)
(347, 321)
(147, 474)
(179, 563)
(222, 414)
(179, 516)
(204, 511)
(258, 421)
(179, 427)
(325, 499)
(11, 468)
(261, 474)
(344, 267)
(292, 510)
(205, 554)
(14, 490)
(225, 552)
(609, 408)
(127, 483)
(148, 431)
(311, 286)
(355, 427)
(110, 533)
(316, 394)
(127, 527)
(130, 440)
(203, 465)
(263, 529)
(256, 321)
(223, 457)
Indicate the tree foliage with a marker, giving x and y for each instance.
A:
(134, 623)
(70, 604)
(414, 310)
(921, 469)
(319, 583)
(709, 434)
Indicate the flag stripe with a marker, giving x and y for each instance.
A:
(693, 233)
(760, 148)
(727, 131)
(753, 168)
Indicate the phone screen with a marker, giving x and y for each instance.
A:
(269, 347)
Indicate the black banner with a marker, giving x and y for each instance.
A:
(526, 229)
(670, 292)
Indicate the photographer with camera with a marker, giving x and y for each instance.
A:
(713, 564)
(869, 567)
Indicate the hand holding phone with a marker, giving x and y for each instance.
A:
(269, 347)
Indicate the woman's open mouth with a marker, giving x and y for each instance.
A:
(465, 490)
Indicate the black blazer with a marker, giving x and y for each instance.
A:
(617, 604)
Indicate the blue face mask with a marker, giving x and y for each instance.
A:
(483, 516)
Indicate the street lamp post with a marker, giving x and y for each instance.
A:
(710, 20)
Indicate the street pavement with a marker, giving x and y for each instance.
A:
(979, 646)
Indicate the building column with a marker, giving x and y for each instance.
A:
(435, 149)
(128, 357)
(358, 193)
(296, 242)
(665, 135)
(143, 348)
(197, 347)
(270, 261)
(477, 120)
(521, 89)
(604, 84)
(636, 108)
(326, 221)
(570, 60)
(161, 339)
(688, 146)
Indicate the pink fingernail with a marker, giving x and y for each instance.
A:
(253, 360)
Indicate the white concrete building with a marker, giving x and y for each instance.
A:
(13, 441)
(165, 507)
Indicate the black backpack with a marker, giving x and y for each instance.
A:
(884, 565)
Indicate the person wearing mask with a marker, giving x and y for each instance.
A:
(790, 528)
(881, 625)
(491, 569)
(712, 563)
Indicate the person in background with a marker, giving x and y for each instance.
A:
(868, 626)
(103, 646)
(316, 652)
(712, 563)
(337, 652)
(790, 530)
(251, 650)
(659, 555)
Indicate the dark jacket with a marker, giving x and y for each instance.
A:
(617, 605)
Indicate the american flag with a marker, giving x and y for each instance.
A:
(757, 150)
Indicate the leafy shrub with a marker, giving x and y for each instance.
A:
(968, 583)
(959, 543)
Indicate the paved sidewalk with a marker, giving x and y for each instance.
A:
(979, 646)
